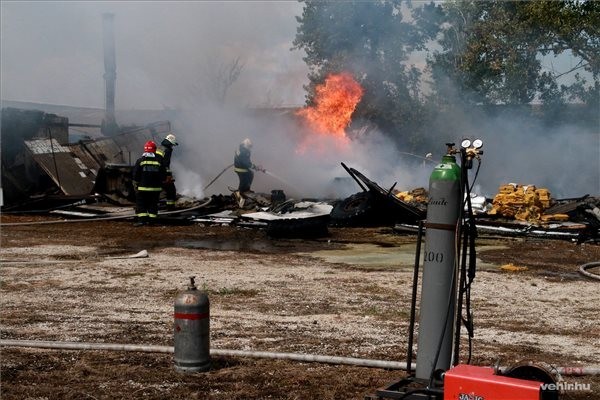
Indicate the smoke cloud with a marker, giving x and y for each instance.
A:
(52, 51)
(564, 158)
(312, 172)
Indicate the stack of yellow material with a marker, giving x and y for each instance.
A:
(521, 202)
(418, 195)
(544, 196)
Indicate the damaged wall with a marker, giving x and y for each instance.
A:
(20, 173)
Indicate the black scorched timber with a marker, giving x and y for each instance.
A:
(374, 206)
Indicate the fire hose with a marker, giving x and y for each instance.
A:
(218, 176)
(583, 269)
(319, 358)
(140, 254)
(125, 216)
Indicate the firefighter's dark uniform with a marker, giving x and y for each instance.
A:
(149, 174)
(169, 185)
(243, 167)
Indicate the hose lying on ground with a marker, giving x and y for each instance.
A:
(140, 254)
(216, 352)
(361, 362)
(125, 216)
(584, 270)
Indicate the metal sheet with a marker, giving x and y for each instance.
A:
(66, 170)
(79, 151)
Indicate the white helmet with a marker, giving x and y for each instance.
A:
(171, 138)
(247, 143)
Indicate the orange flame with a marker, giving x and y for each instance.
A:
(335, 101)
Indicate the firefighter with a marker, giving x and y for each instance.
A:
(169, 185)
(243, 166)
(149, 173)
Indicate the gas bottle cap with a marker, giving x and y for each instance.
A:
(192, 285)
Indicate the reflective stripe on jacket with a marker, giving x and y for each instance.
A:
(149, 189)
(165, 152)
(149, 172)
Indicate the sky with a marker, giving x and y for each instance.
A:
(52, 51)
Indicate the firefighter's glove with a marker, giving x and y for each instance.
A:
(259, 168)
(169, 179)
(135, 186)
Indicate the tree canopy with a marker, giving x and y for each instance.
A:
(493, 51)
(478, 53)
(372, 41)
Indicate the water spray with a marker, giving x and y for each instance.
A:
(276, 177)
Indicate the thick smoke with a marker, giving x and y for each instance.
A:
(52, 53)
(564, 158)
(209, 136)
(562, 154)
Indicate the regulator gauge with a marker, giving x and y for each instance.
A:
(465, 143)
(477, 143)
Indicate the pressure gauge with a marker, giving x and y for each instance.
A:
(477, 143)
(465, 143)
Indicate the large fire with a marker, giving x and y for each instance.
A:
(335, 101)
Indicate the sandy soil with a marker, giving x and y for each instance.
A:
(62, 282)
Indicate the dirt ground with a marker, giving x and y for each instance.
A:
(345, 295)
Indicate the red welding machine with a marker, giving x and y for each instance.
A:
(470, 382)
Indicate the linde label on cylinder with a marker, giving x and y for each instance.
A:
(437, 296)
(192, 330)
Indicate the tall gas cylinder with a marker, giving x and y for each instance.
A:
(438, 294)
(192, 330)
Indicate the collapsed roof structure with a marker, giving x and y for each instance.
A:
(39, 163)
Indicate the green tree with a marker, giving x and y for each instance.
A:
(371, 40)
(491, 51)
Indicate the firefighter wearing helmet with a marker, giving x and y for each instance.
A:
(243, 167)
(165, 151)
(149, 174)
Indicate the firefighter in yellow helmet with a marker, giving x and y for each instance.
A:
(165, 151)
(243, 166)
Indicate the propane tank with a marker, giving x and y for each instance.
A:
(438, 298)
(192, 330)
